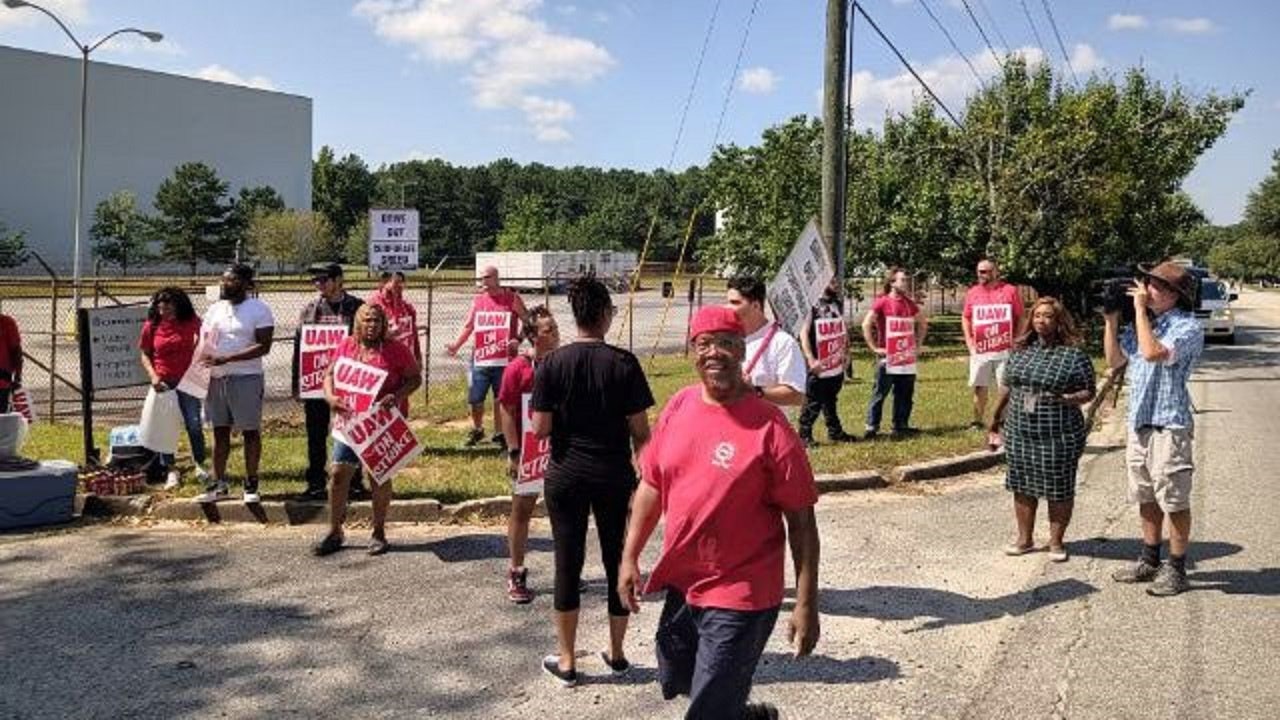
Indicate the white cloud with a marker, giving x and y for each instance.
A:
(217, 73)
(1190, 26)
(1084, 59)
(510, 54)
(1126, 22)
(758, 80)
(71, 11)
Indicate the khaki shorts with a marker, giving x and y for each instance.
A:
(985, 373)
(1160, 466)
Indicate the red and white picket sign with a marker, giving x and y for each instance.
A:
(900, 345)
(492, 335)
(356, 384)
(833, 343)
(403, 330)
(315, 352)
(535, 453)
(21, 404)
(383, 440)
(992, 330)
(195, 381)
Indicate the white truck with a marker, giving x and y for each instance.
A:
(528, 269)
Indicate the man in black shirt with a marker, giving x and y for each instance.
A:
(334, 306)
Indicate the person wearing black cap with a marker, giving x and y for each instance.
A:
(1161, 348)
(237, 332)
(333, 306)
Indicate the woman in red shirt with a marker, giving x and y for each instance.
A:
(370, 343)
(168, 344)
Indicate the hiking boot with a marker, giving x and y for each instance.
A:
(1140, 571)
(518, 586)
(551, 666)
(331, 544)
(1168, 582)
(760, 711)
(475, 437)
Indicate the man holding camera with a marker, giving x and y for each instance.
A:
(1161, 347)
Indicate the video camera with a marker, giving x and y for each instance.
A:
(1110, 294)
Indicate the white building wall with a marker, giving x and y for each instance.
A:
(141, 125)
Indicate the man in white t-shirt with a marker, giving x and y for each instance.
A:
(774, 363)
(236, 333)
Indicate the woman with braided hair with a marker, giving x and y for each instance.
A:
(590, 398)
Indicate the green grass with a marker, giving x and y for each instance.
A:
(450, 473)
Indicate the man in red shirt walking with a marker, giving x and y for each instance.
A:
(495, 316)
(733, 481)
(992, 318)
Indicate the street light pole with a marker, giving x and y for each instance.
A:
(85, 51)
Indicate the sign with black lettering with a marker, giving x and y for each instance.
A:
(111, 346)
(393, 239)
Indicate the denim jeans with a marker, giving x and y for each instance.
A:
(190, 407)
(904, 390)
(710, 654)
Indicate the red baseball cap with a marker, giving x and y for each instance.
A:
(716, 318)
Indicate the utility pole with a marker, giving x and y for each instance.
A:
(834, 114)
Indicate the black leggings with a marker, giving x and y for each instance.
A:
(568, 506)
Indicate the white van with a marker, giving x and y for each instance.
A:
(1214, 311)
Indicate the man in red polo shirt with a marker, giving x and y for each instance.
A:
(733, 481)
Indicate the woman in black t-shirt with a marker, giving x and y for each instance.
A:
(590, 398)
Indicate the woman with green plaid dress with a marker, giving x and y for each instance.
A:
(1047, 378)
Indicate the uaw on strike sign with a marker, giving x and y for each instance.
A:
(535, 453)
(492, 336)
(992, 330)
(900, 345)
(393, 239)
(833, 342)
(379, 435)
(315, 352)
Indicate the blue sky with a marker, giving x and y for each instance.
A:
(603, 82)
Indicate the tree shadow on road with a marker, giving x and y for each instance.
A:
(942, 608)
(1131, 549)
(472, 547)
(1265, 581)
(778, 667)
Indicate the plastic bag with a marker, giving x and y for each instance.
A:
(161, 422)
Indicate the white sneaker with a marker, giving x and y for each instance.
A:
(202, 475)
(252, 498)
(172, 480)
(209, 496)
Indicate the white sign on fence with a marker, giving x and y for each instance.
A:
(112, 346)
(393, 239)
(801, 281)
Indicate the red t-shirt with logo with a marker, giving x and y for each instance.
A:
(891, 306)
(1002, 294)
(393, 357)
(725, 475)
(171, 345)
(504, 301)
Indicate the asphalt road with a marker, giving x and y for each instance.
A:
(922, 616)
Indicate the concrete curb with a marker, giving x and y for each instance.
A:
(948, 467)
(841, 482)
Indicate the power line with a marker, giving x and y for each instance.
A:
(991, 19)
(901, 58)
(1034, 32)
(697, 73)
(1061, 45)
(925, 4)
(981, 32)
(737, 65)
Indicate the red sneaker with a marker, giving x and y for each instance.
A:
(518, 586)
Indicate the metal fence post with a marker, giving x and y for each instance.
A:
(53, 351)
(429, 354)
(546, 292)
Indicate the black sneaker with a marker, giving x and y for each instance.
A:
(315, 493)
(760, 711)
(358, 492)
(904, 433)
(1140, 571)
(474, 437)
(1168, 582)
(551, 666)
(617, 667)
(329, 545)
(842, 437)
(870, 434)
(499, 439)
(251, 496)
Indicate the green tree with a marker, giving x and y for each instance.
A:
(1262, 210)
(355, 249)
(251, 201)
(342, 189)
(293, 238)
(119, 232)
(13, 247)
(192, 214)
(526, 225)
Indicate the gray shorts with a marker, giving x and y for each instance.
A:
(1160, 465)
(235, 401)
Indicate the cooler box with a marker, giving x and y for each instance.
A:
(43, 496)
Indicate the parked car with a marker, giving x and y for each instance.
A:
(1214, 311)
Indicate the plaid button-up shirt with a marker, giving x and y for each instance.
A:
(1158, 392)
